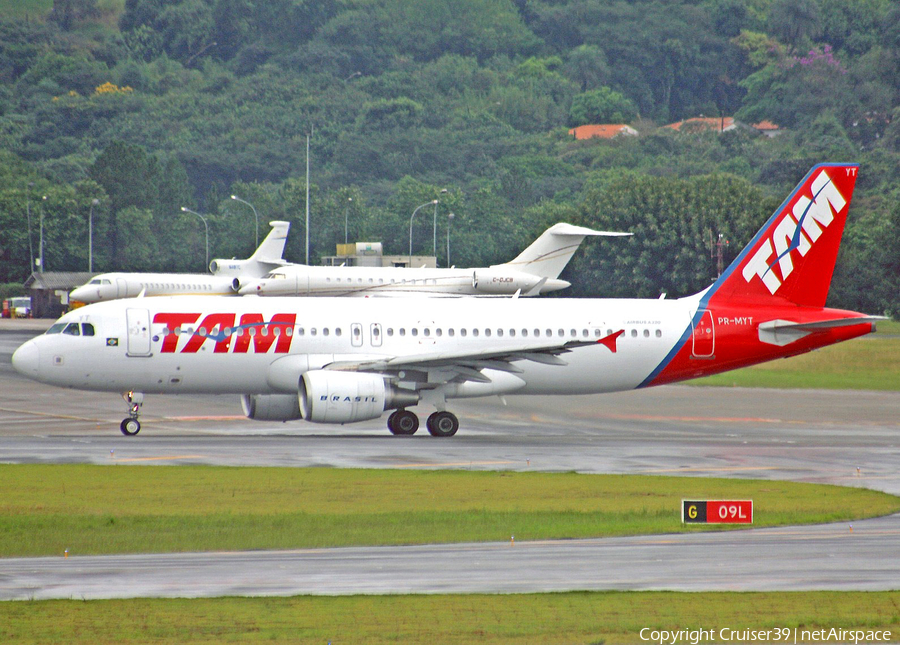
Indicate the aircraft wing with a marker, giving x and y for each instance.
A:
(467, 366)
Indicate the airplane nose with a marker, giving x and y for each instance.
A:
(251, 287)
(26, 359)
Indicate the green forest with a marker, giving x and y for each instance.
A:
(116, 114)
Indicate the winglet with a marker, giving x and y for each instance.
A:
(610, 341)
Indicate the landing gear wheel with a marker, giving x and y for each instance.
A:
(403, 422)
(442, 424)
(130, 427)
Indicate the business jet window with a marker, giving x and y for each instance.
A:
(72, 330)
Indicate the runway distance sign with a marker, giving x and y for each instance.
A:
(717, 511)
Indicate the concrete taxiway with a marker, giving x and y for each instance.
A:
(846, 438)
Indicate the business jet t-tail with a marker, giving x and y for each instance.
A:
(223, 280)
(339, 360)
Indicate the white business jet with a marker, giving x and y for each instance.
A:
(535, 271)
(339, 360)
(223, 280)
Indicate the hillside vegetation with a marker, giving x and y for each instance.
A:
(150, 105)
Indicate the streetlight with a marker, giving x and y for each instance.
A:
(346, 210)
(450, 217)
(41, 242)
(94, 202)
(434, 224)
(28, 215)
(244, 201)
(188, 210)
(433, 201)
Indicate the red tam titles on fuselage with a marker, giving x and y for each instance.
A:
(252, 331)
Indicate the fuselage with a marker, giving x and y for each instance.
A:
(112, 286)
(302, 280)
(256, 345)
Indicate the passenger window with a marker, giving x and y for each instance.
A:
(475, 332)
(415, 331)
(499, 332)
(659, 333)
(487, 332)
(325, 331)
(463, 332)
(634, 333)
(646, 333)
(451, 332)
(403, 331)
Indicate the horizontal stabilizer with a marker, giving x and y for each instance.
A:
(784, 332)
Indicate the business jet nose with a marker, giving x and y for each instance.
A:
(84, 294)
(250, 288)
(26, 359)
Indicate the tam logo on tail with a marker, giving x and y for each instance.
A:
(797, 230)
(793, 255)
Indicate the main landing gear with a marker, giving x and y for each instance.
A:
(130, 426)
(439, 424)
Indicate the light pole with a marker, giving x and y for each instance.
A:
(255, 214)
(28, 215)
(346, 210)
(433, 201)
(41, 243)
(188, 210)
(434, 224)
(94, 202)
(450, 217)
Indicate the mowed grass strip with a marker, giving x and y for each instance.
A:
(868, 363)
(580, 617)
(89, 509)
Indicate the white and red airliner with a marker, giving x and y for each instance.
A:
(338, 360)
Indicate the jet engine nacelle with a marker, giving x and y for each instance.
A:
(500, 281)
(271, 407)
(343, 397)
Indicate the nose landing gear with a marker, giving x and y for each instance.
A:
(130, 426)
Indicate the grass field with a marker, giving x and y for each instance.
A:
(868, 363)
(600, 617)
(87, 509)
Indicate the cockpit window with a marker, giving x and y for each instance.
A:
(87, 329)
(95, 281)
(56, 328)
(72, 329)
(275, 276)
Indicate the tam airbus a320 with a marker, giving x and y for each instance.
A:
(338, 360)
